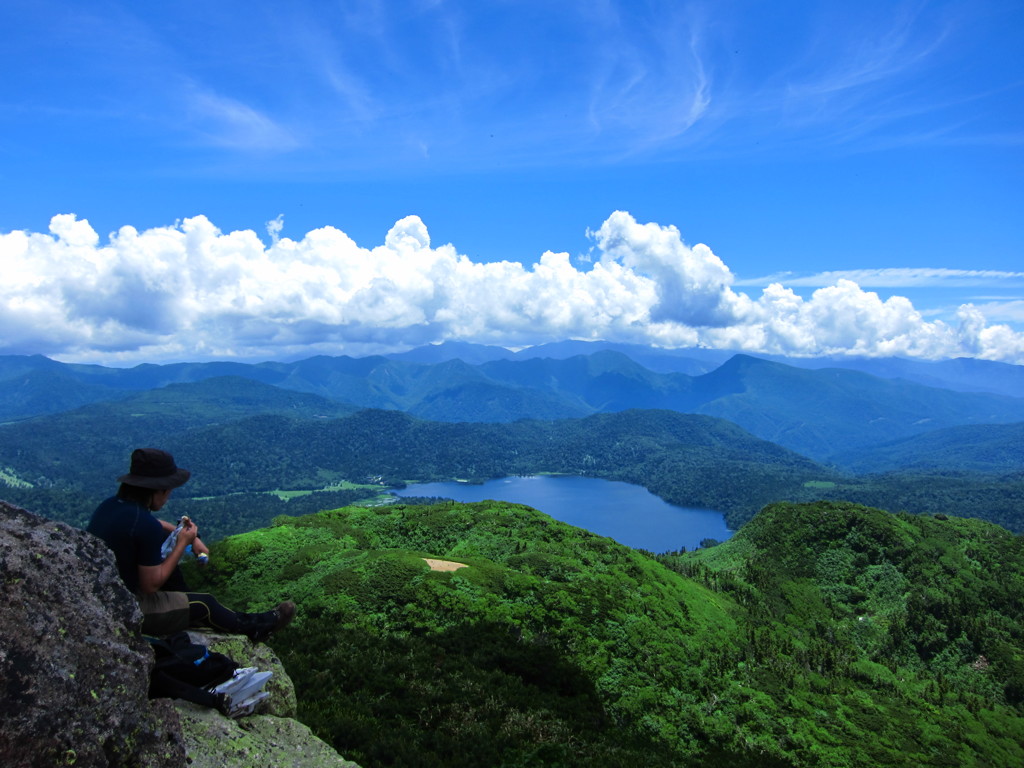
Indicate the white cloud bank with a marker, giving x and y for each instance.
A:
(191, 292)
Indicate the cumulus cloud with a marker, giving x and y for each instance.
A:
(692, 285)
(191, 291)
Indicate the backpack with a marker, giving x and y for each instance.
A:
(188, 670)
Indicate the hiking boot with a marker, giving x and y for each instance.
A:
(265, 624)
(285, 613)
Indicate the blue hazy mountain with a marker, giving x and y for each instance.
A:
(824, 412)
(692, 361)
(991, 448)
(960, 374)
(474, 354)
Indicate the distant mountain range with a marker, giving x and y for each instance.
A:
(826, 413)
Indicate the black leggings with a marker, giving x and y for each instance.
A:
(205, 611)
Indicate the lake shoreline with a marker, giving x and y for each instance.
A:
(628, 513)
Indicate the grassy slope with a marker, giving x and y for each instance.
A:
(522, 653)
(823, 634)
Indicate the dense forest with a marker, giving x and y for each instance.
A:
(686, 459)
(248, 469)
(989, 449)
(822, 634)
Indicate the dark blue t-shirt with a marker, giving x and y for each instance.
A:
(134, 535)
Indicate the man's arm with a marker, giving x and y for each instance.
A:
(199, 548)
(152, 577)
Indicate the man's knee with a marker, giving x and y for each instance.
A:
(164, 612)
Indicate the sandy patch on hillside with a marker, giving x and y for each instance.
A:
(443, 565)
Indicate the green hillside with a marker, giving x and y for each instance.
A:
(820, 635)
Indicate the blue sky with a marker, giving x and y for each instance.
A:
(789, 177)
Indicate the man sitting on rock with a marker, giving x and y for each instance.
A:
(124, 522)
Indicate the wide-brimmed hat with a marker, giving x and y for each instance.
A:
(153, 468)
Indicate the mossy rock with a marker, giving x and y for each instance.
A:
(214, 741)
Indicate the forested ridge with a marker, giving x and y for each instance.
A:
(687, 459)
(990, 449)
(296, 459)
(271, 438)
(817, 413)
(823, 634)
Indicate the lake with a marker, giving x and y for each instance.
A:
(630, 514)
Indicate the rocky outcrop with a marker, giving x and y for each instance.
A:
(74, 670)
(271, 737)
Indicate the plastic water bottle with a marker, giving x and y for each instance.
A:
(168, 546)
(172, 538)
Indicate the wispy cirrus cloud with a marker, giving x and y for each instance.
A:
(894, 277)
(198, 116)
(226, 122)
(530, 83)
(884, 49)
(650, 81)
(1001, 309)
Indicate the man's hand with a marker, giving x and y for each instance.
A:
(189, 532)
